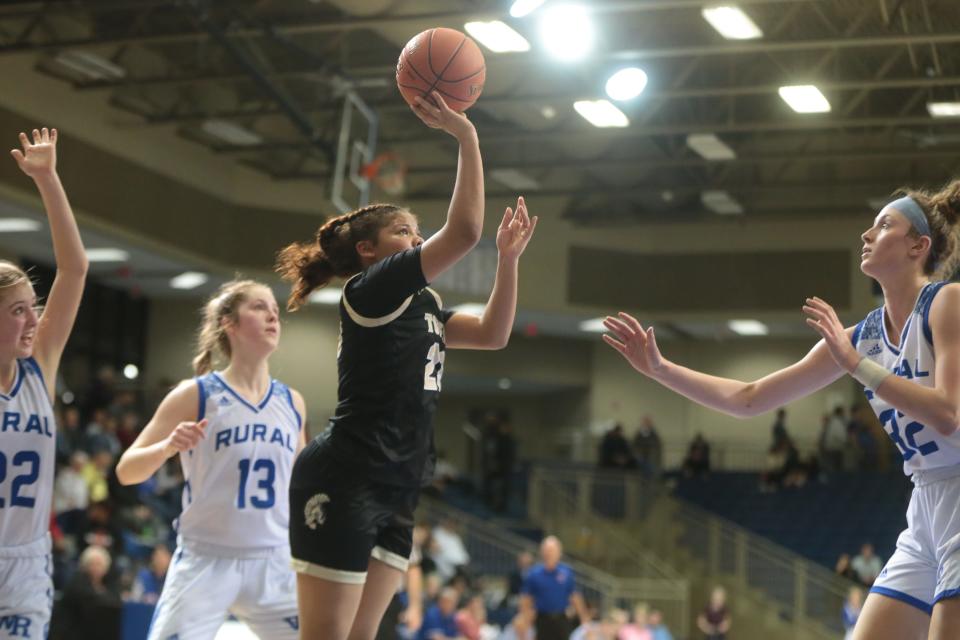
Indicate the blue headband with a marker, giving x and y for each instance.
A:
(909, 207)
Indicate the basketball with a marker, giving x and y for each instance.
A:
(444, 60)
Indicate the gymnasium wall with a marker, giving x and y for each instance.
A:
(593, 386)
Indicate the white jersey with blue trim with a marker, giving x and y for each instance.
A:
(922, 447)
(27, 457)
(237, 477)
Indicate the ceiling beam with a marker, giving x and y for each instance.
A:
(725, 48)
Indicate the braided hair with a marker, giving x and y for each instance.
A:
(332, 253)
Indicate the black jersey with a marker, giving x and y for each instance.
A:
(390, 363)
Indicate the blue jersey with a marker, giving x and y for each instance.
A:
(237, 477)
(27, 457)
(912, 358)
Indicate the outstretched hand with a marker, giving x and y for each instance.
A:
(40, 156)
(824, 320)
(435, 113)
(636, 344)
(515, 231)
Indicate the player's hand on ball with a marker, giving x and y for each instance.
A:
(185, 437)
(435, 113)
(636, 344)
(515, 231)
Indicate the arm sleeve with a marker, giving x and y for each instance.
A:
(381, 289)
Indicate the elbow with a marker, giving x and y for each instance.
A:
(124, 476)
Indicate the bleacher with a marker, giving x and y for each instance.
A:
(820, 521)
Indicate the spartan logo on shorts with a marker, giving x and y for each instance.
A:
(313, 512)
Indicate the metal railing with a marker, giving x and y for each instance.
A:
(806, 594)
(494, 550)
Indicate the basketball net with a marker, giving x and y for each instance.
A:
(388, 172)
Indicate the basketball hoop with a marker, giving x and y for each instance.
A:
(388, 172)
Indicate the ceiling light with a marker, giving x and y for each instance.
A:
(626, 84)
(515, 179)
(944, 109)
(230, 132)
(131, 371)
(721, 202)
(748, 327)
(594, 325)
(601, 113)
(805, 98)
(326, 295)
(522, 8)
(188, 280)
(731, 22)
(15, 225)
(548, 112)
(107, 255)
(89, 64)
(504, 383)
(567, 31)
(471, 308)
(709, 146)
(497, 36)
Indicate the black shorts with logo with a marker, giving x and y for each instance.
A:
(339, 519)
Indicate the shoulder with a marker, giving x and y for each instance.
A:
(940, 311)
(184, 398)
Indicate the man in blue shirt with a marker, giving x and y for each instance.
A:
(439, 622)
(549, 588)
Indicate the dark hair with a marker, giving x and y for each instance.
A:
(332, 253)
(943, 212)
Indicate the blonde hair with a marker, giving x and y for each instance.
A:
(212, 339)
(11, 275)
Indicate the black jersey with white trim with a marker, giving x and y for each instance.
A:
(390, 364)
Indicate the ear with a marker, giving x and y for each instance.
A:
(365, 249)
(920, 246)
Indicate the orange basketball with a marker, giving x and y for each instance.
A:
(444, 60)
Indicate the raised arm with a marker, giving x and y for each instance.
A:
(492, 329)
(736, 398)
(464, 224)
(173, 428)
(38, 159)
(938, 407)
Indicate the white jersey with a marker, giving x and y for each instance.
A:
(238, 475)
(27, 457)
(922, 447)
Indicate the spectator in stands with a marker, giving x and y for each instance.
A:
(525, 561)
(779, 429)
(504, 456)
(697, 462)
(639, 628)
(548, 591)
(844, 569)
(95, 472)
(69, 435)
(851, 611)
(90, 608)
(149, 581)
(833, 441)
(715, 620)
(448, 551)
(71, 494)
(863, 438)
(657, 628)
(520, 628)
(867, 565)
(615, 450)
(648, 448)
(128, 428)
(590, 627)
(439, 623)
(102, 389)
(472, 618)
